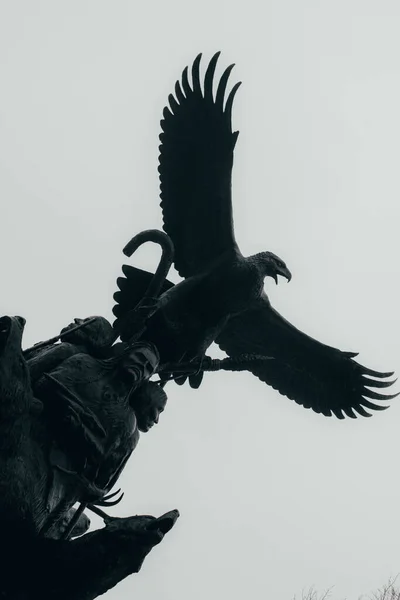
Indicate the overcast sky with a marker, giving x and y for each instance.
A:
(273, 498)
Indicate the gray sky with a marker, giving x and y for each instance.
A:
(273, 498)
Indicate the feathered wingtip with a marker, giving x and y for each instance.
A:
(368, 394)
(185, 92)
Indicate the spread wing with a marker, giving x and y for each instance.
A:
(312, 374)
(132, 288)
(195, 166)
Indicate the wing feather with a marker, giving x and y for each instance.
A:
(132, 287)
(195, 167)
(312, 374)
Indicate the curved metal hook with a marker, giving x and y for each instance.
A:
(167, 257)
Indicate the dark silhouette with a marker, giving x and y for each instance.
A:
(222, 298)
(138, 300)
(39, 480)
(34, 567)
(94, 407)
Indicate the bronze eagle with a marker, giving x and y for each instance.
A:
(222, 298)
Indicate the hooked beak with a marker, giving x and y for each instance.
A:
(284, 272)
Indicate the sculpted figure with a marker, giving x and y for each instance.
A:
(30, 494)
(95, 407)
(71, 412)
(95, 397)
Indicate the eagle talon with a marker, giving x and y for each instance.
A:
(106, 501)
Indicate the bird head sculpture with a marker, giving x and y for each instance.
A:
(271, 265)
